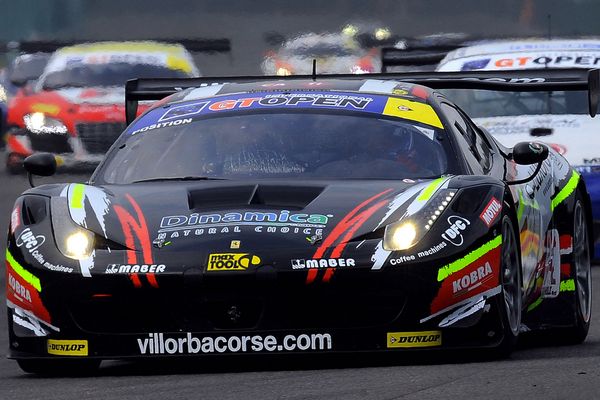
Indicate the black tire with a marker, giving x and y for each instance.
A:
(59, 367)
(511, 300)
(581, 264)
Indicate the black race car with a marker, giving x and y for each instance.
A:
(301, 215)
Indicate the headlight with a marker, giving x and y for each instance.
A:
(38, 122)
(410, 230)
(3, 95)
(399, 236)
(79, 244)
(72, 240)
(282, 71)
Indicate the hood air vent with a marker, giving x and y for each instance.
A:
(255, 196)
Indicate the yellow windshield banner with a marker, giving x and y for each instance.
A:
(412, 110)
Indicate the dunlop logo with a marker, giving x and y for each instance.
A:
(414, 339)
(68, 347)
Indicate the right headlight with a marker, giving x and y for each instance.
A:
(72, 240)
(38, 122)
(407, 232)
(79, 244)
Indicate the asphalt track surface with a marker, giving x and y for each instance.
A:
(534, 371)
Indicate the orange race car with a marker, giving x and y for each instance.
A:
(76, 109)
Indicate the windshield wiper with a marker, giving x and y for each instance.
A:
(180, 178)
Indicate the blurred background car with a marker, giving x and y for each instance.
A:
(76, 108)
(335, 53)
(557, 118)
(22, 71)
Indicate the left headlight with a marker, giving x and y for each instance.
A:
(407, 232)
(38, 122)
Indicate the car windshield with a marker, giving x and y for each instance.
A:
(28, 67)
(485, 103)
(112, 74)
(285, 145)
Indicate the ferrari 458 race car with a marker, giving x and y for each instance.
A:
(556, 118)
(76, 109)
(298, 215)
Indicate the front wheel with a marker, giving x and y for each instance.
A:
(581, 265)
(510, 279)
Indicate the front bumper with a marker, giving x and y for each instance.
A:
(191, 316)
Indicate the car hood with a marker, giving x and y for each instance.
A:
(571, 134)
(170, 220)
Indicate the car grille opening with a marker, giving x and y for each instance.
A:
(98, 137)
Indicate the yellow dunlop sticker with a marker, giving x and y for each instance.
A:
(231, 261)
(76, 348)
(412, 110)
(414, 339)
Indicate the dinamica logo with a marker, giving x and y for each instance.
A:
(156, 343)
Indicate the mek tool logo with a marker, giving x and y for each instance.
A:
(231, 261)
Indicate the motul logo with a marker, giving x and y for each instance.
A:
(491, 212)
(473, 279)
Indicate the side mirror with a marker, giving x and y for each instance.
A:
(528, 153)
(42, 164)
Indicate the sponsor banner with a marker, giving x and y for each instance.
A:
(414, 339)
(231, 261)
(135, 268)
(477, 277)
(491, 212)
(23, 294)
(534, 60)
(188, 343)
(281, 222)
(323, 263)
(375, 104)
(78, 348)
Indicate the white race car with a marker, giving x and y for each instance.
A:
(558, 118)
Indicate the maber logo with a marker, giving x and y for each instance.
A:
(491, 212)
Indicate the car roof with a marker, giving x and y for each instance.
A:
(407, 90)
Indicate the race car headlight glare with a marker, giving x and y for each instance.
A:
(3, 95)
(79, 244)
(281, 71)
(38, 122)
(399, 236)
(410, 230)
